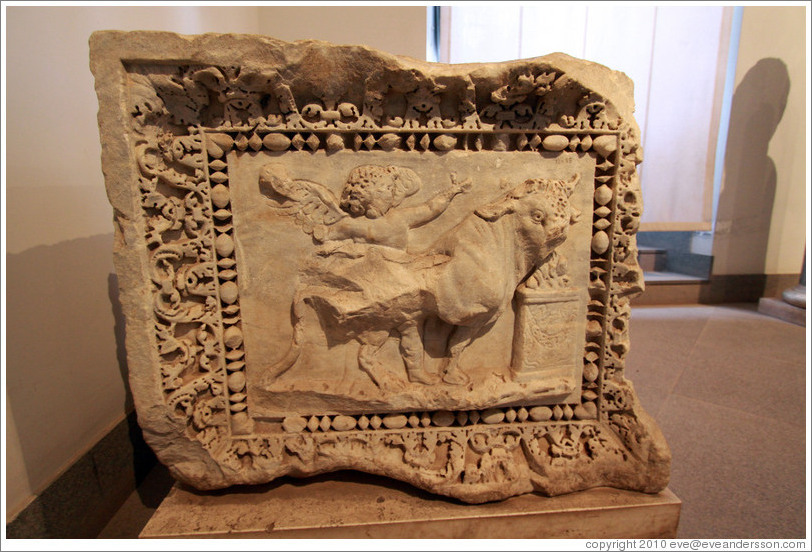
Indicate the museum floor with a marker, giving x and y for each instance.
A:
(727, 386)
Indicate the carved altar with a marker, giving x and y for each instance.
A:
(330, 258)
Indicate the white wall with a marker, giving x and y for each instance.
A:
(53, 148)
(65, 377)
(672, 53)
(761, 219)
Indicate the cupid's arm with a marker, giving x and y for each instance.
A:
(427, 212)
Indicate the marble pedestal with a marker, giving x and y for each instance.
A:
(354, 505)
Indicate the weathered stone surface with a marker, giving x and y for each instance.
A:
(335, 258)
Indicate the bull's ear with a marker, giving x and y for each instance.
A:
(575, 215)
(569, 185)
(493, 211)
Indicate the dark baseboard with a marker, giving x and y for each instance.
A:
(776, 284)
(80, 502)
(726, 288)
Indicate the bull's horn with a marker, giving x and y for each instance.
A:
(570, 184)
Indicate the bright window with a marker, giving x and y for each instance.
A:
(676, 56)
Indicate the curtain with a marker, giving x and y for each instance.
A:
(677, 58)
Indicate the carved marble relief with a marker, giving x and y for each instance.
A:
(419, 271)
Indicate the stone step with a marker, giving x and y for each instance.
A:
(664, 277)
(652, 258)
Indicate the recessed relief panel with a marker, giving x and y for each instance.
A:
(407, 310)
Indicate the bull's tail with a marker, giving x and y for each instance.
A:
(295, 349)
(286, 362)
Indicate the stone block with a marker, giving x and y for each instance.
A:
(346, 506)
(331, 257)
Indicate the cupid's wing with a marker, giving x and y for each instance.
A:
(310, 204)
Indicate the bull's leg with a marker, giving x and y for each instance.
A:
(371, 342)
(460, 338)
(411, 348)
(292, 355)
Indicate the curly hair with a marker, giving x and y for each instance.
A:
(398, 181)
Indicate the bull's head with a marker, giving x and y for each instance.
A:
(542, 212)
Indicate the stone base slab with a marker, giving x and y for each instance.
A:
(355, 505)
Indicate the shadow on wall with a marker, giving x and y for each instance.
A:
(746, 201)
(67, 383)
(143, 458)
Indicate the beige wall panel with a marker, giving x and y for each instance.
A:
(761, 224)
(17, 485)
(788, 147)
(53, 140)
(397, 30)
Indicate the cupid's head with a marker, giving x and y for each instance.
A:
(372, 190)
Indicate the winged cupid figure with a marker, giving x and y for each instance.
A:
(361, 264)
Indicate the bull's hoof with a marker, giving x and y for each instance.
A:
(456, 377)
(423, 377)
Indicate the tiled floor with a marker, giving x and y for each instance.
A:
(727, 386)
